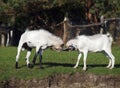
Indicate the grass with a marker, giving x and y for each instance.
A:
(54, 63)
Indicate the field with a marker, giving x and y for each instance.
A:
(54, 63)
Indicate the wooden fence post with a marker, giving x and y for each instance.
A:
(2, 40)
(66, 27)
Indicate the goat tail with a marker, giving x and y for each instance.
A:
(110, 37)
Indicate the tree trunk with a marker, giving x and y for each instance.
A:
(89, 3)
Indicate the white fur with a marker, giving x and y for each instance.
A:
(95, 43)
(38, 39)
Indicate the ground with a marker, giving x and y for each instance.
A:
(76, 80)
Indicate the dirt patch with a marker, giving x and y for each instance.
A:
(76, 80)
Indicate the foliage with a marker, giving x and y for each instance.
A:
(53, 63)
(53, 11)
(106, 7)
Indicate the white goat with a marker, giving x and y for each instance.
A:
(40, 39)
(95, 43)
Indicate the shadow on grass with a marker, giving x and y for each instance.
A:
(54, 64)
(102, 65)
(21, 66)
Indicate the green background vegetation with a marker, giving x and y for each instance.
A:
(53, 11)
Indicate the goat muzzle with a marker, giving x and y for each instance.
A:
(70, 48)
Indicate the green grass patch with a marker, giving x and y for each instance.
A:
(54, 63)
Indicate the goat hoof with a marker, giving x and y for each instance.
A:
(84, 69)
(75, 67)
(16, 65)
(111, 68)
(29, 65)
(108, 67)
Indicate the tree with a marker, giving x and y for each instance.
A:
(27, 11)
(106, 7)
